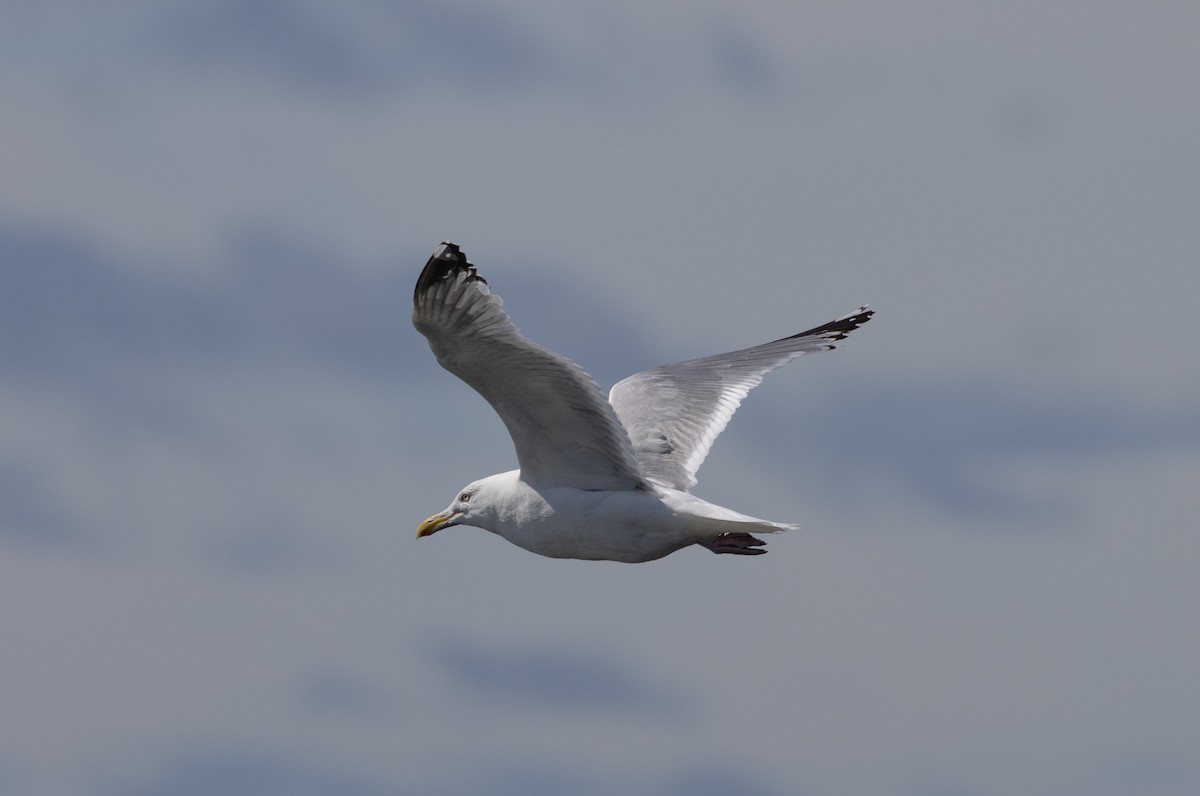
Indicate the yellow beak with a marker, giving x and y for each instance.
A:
(435, 523)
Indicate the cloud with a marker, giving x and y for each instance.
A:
(260, 549)
(347, 50)
(335, 691)
(31, 515)
(947, 443)
(257, 774)
(73, 318)
(381, 46)
(368, 50)
(71, 315)
(739, 60)
(1026, 118)
(542, 779)
(553, 679)
(713, 780)
(244, 774)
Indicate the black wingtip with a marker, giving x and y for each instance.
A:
(837, 330)
(447, 259)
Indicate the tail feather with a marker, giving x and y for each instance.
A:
(711, 519)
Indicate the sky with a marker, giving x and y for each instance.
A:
(219, 431)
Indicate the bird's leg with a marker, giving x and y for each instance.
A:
(742, 544)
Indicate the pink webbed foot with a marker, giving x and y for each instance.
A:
(742, 544)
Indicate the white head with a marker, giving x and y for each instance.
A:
(477, 504)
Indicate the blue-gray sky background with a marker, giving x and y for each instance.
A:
(219, 429)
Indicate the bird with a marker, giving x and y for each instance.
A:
(597, 479)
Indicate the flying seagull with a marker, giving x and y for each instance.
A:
(598, 479)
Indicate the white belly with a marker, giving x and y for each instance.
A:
(629, 526)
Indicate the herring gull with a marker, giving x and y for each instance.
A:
(598, 479)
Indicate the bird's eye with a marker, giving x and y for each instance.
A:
(465, 497)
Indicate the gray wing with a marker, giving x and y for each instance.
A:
(564, 431)
(674, 412)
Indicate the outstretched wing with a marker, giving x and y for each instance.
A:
(674, 412)
(564, 431)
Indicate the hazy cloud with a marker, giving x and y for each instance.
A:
(244, 774)
(946, 443)
(70, 315)
(31, 514)
(553, 679)
(340, 692)
(248, 774)
(741, 61)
